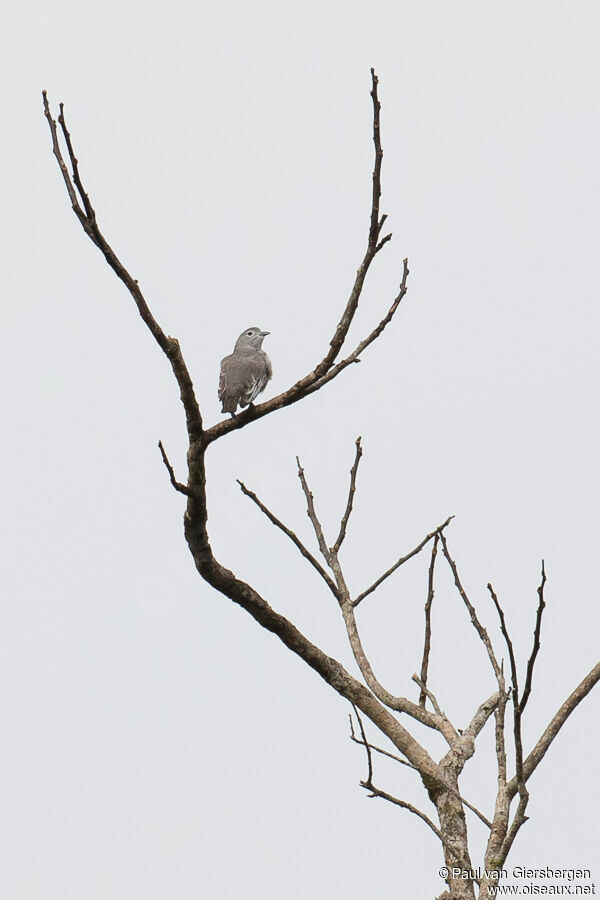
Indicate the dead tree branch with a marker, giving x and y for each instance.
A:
(536, 640)
(503, 836)
(403, 762)
(482, 714)
(351, 491)
(354, 357)
(519, 818)
(365, 744)
(292, 536)
(182, 488)
(427, 640)
(401, 561)
(376, 792)
(87, 218)
(400, 704)
(438, 721)
(515, 687)
(500, 736)
(485, 639)
(312, 515)
(427, 693)
(380, 750)
(534, 758)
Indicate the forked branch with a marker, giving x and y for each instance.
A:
(325, 371)
(368, 785)
(374, 245)
(182, 488)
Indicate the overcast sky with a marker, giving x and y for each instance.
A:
(156, 743)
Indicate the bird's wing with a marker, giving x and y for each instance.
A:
(269, 366)
(223, 379)
(257, 372)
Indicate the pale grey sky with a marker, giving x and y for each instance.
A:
(156, 743)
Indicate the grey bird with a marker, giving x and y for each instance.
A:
(245, 372)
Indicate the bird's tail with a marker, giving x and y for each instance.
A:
(229, 404)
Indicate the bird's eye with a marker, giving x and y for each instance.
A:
(249, 333)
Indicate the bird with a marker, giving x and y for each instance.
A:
(245, 372)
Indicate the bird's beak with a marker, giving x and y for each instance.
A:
(264, 333)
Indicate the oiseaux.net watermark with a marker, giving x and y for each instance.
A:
(547, 881)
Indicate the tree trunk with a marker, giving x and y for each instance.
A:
(453, 827)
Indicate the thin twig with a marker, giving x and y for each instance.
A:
(427, 693)
(519, 818)
(61, 163)
(349, 502)
(376, 792)
(515, 687)
(500, 738)
(182, 488)
(380, 750)
(427, 640)
(474, 810)
(292, 536)
(312, 515)
(536, 640)
(474, 619)
(365, 744)
(401, 561)
(376, 222)
(75, 165)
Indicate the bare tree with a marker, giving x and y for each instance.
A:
(391, 715)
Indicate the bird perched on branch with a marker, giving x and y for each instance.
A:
(245, 372)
